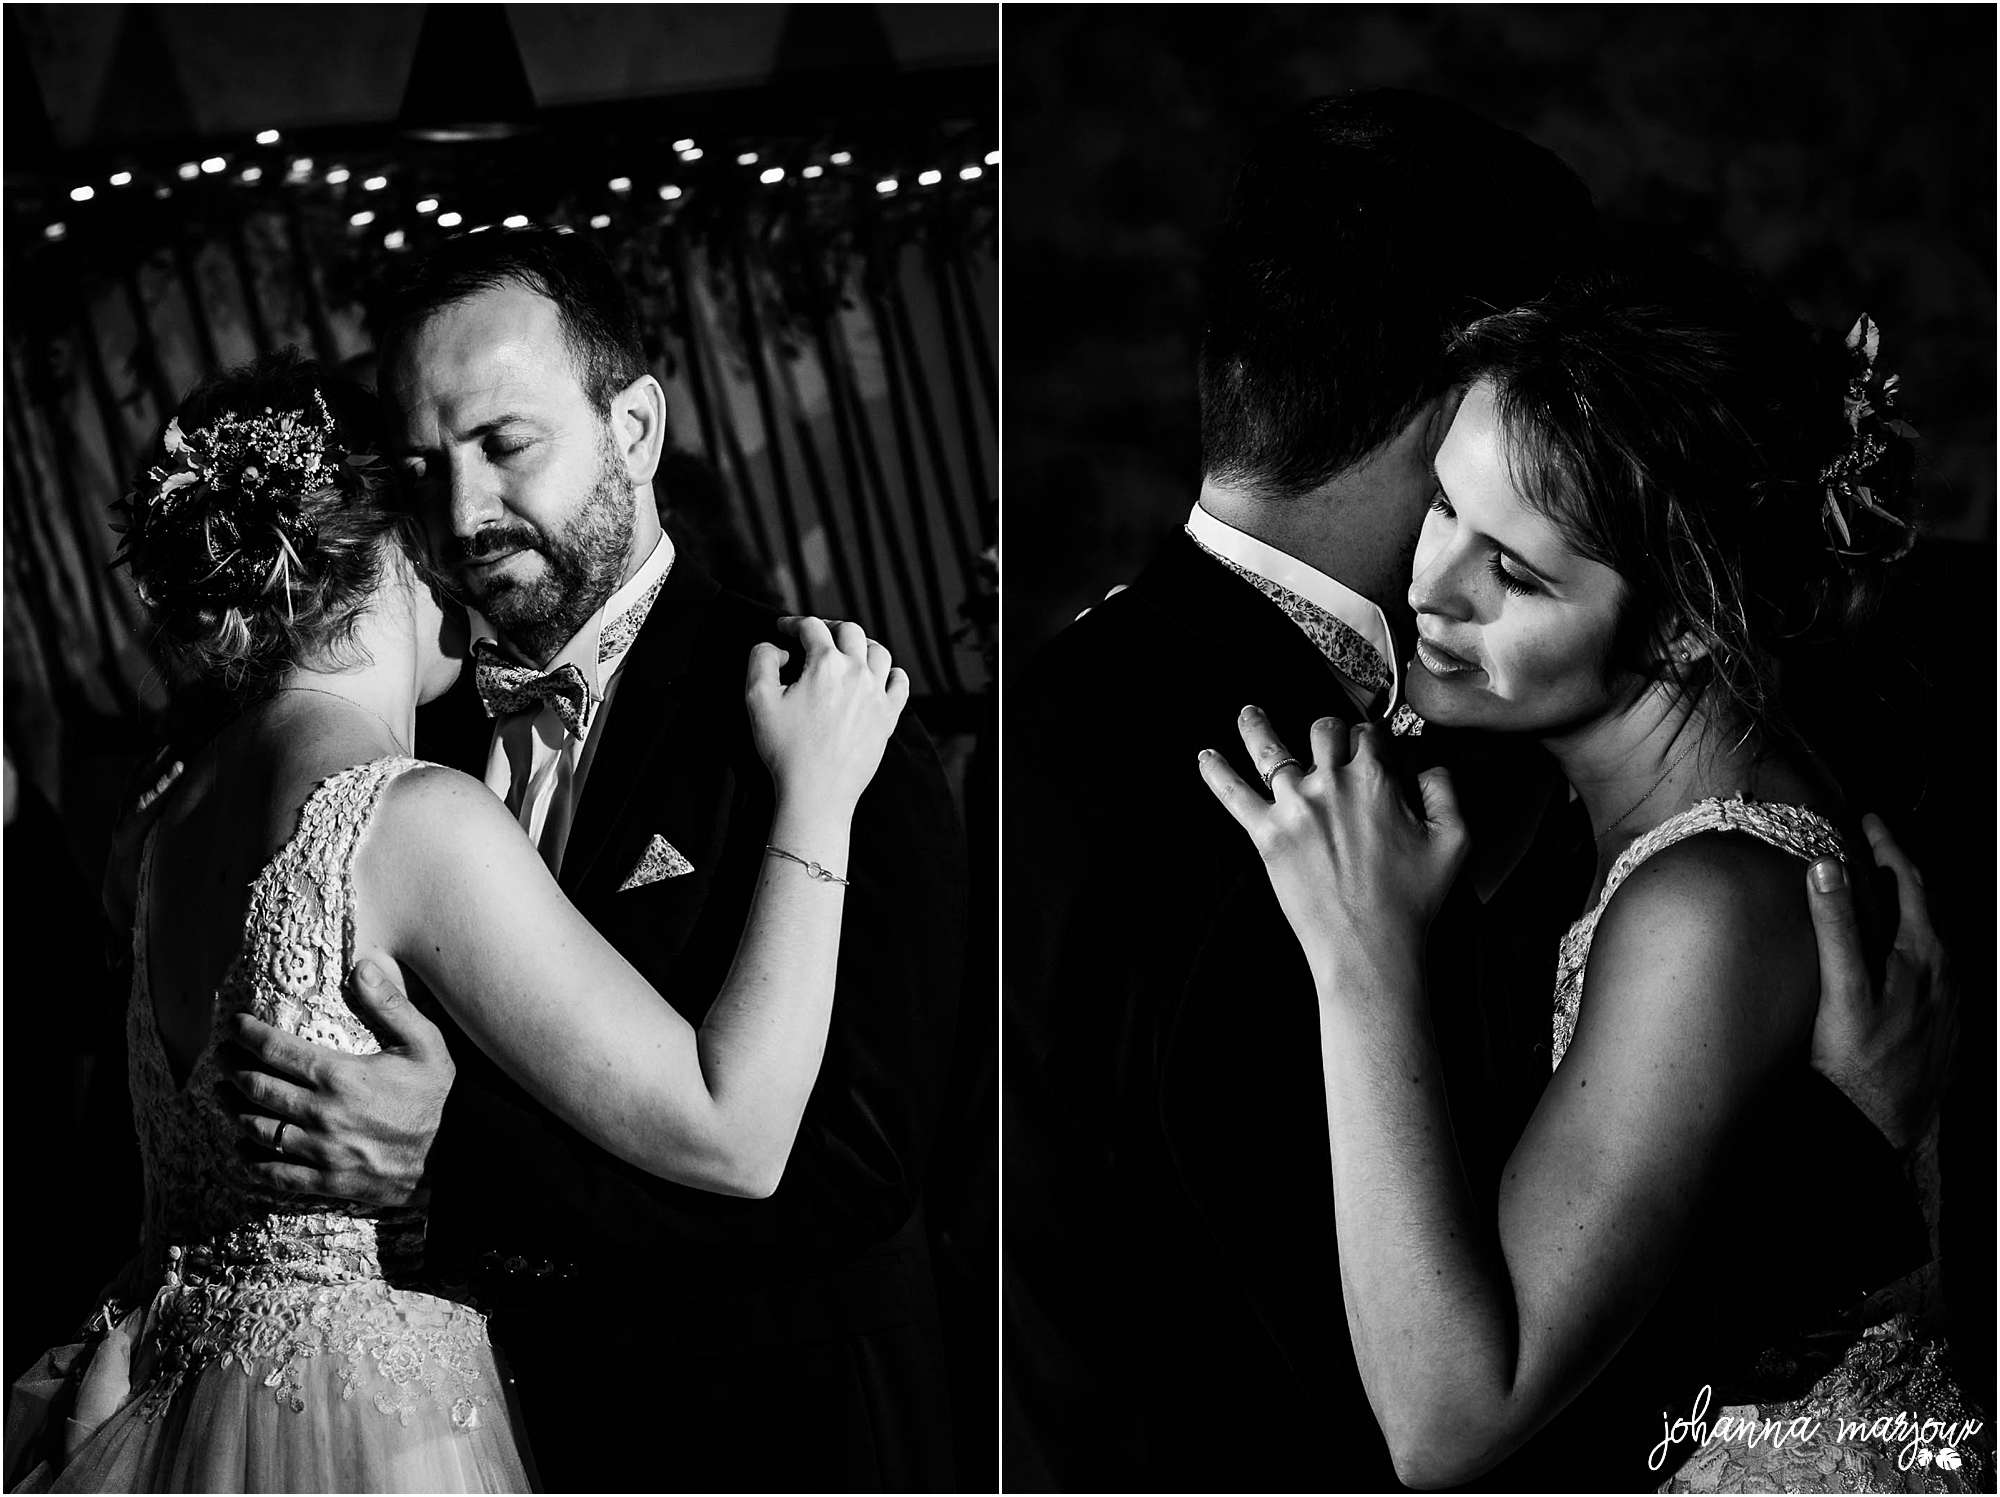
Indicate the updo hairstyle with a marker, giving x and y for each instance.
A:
(1744, 477)
(254, 527)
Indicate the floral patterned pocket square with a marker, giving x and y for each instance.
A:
(661, 859)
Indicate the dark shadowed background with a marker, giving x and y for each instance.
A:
(1844, 153)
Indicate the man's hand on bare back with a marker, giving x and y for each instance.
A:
(1888, 1046)
(353, 1127)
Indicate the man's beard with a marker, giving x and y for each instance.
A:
(583, 564)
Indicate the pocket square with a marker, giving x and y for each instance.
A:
(661, 859)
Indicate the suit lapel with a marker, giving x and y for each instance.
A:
(640, 717)
(1258, 655)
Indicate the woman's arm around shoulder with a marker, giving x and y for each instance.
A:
(459, 896)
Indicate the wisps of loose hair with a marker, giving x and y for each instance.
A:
(268, 558)
(1675, 424)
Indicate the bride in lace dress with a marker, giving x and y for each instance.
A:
(1653, 484)
(270, 1342)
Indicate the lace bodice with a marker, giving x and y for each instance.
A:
(1793, 829)
(252, 1275)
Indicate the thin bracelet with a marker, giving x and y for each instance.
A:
(813, 870)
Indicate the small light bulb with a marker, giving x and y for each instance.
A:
(692, 154)
(213, 165)
(188, 171)
(930, 178)
(427, 205)
(669, 192)
(450, 220)
(121, 179)
(840, 158)
(514, 221)
(813, 171)
(55, 231)
(684, 145)
(748, 158)
(394, 239)
(338, 175)
(992, 158)
(362, 219)
(375, 184)
(969, 173)
(253, 174)
(82, 194)
(774, 174)
(600, 221)
(886, 186)
(267, 137)
(621, 184)
(302, 164)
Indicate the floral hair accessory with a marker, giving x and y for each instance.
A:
(1878, 460)
(224, 518)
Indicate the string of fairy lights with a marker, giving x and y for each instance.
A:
(399, 198)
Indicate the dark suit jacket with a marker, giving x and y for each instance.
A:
(783, 1344)
(1174, 1311)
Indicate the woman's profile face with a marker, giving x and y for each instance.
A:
(1514, 628)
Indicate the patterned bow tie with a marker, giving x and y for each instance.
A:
(505, 688)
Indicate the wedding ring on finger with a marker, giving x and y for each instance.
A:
(1271, 773)
(278, 1138)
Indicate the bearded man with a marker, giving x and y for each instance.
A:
(659, 1336)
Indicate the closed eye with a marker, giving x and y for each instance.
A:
(1518, 585)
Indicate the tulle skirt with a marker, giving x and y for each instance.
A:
(136, 1411)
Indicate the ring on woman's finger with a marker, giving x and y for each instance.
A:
(278, 1138)
(1271, 773)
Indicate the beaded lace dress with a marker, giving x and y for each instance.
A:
(263, 1341)
(1889, 1416)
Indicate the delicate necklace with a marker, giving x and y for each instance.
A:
(394, 736)
(1651, 791)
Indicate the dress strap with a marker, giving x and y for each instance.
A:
(1793, 829)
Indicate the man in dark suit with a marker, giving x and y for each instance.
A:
(1175, 1318)
(659, 1336)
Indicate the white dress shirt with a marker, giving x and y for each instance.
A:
(536, 765)
(1286, 571)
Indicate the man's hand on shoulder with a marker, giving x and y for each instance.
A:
(1888, 1046)
(351, 1127)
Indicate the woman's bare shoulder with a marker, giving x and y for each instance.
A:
(1718, 923)
(434, 821)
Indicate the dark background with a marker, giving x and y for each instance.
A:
(1844, 152)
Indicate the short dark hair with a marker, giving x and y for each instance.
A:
(1673, 420)
(598, 322)
(1363, 228)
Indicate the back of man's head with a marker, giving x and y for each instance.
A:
(598, 322)
(1363, 228)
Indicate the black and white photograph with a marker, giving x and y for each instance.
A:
(1498, 755)
(501, 692)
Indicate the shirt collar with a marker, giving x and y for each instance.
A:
(1309, 582)
(581, 651)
